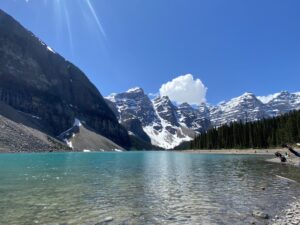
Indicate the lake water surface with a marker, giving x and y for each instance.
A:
(141, 188)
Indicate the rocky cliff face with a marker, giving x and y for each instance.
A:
(133, 104)
(168, 125)
(134, 111)
(38, 81)
(195, 119)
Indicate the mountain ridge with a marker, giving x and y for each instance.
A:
(169, 124)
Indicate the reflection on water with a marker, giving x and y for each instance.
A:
(140, 188)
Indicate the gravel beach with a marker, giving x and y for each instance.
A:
(291, 215)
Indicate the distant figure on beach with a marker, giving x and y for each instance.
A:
(292, 150)
(282, 157)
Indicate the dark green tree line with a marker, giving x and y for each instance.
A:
(265, 133)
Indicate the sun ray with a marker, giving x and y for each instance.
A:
(69, 27)
(96, 18)
(63, 18)
(57, 18)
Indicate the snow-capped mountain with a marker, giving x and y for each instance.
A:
(160, 120)
(134, 104)
(243, 108)
(248, 107)
(168, 133)
(282, 102)
(165, 124)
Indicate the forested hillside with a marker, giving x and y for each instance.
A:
(265, 133)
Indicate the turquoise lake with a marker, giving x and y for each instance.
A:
(141, 188)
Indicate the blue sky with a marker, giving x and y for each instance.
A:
(232, 46)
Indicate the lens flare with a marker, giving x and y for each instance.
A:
(67, 16)
(96, 18)
(64, 17)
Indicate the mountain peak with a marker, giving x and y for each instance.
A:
(162, 100)
(165, 98)
(185, 105)
(135, 90)
(248, 94)
(284, 93)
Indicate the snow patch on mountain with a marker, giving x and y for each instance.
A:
(44, 44)
(69, 143)
(111, 97)
(50, 49)
(164, 138)
(268, 98)
(135, 89)
(69, 134)
(77, 123)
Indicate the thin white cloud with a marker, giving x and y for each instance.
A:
(185, 89)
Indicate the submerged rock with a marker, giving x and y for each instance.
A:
(260, 214)
(105, 221)
(108, 219)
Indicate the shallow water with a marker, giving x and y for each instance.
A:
(141, 188)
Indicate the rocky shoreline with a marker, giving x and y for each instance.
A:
(292, 160)
(291, 215)
(233, 151)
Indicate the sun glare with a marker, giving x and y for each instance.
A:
(61, 9)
